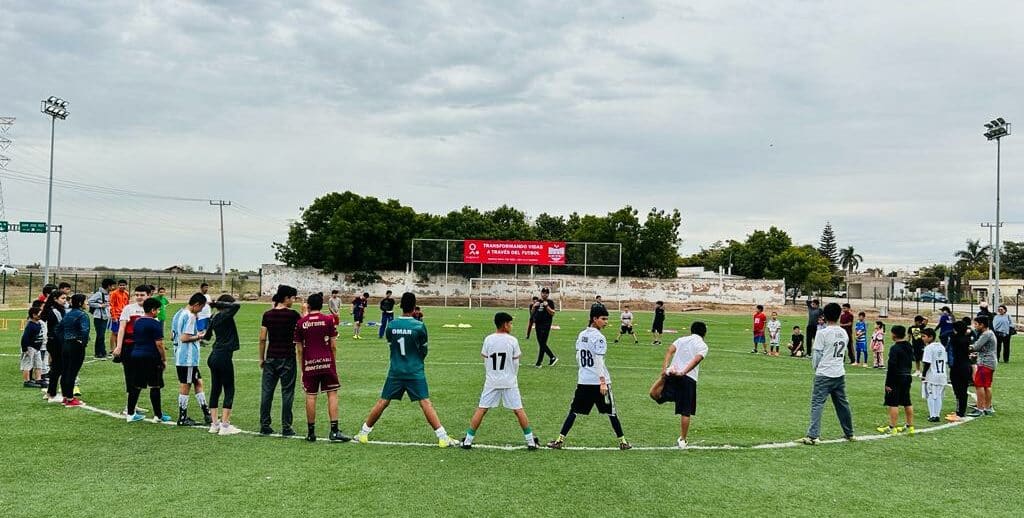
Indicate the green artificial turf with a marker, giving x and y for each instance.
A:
(72, 462)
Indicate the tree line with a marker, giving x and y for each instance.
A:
(347, 232)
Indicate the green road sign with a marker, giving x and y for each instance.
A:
(32, 227)
(4, 226)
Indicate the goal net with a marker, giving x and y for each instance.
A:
(511, 293)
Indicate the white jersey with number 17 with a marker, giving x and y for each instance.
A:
(935, 355)
(589, 345)
(501, 364)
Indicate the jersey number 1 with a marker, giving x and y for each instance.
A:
(401, 345)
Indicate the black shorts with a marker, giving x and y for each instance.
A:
(147, 373)
(357, 318)
(188, 375)
(918, 352)
(900, 395)
(625, 330)
(587, 396)
(682, 390)
(658, 327)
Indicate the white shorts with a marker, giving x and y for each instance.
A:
(31, 359)
(509, 398)
(932, 390)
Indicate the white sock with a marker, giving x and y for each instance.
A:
(365, 430)
(529, 438)
(469, 438)
(182, 402)
(441, 433)
(200, 398)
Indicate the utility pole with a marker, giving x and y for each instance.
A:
(223, 266)
(6, 123)
(59, 229)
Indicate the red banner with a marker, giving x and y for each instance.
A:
(542, 253)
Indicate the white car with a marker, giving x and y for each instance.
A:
(8, 269)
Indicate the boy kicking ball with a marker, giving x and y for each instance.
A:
(681, 366)
(897, 383)
(501, 355)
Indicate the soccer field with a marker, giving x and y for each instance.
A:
(77, 462)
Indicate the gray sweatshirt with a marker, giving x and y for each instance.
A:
(985, 346)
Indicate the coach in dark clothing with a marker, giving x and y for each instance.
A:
(543, 312)
(813, 312)
(387, 313)
(277, 359)
(960, 368)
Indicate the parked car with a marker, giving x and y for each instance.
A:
(8, 269)
(929, 296)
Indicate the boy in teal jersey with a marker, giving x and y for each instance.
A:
(407, 339)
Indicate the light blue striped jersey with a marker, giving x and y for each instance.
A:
(185, 354)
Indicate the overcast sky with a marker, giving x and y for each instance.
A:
(740, 114)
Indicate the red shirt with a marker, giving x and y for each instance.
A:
(846, 319)
(759, 321)
(314, 331)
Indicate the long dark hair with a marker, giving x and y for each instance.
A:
(51, 303)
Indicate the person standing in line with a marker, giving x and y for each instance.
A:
(316, 349)
(53, 313)
(774, 334)
(277, 359)
(119, 299)
(186, 341)
(846, 322)
(125, 342)
(224, 334)
(934, 375)
(203, 319)
(985, 346)
(74, 334)
(960, 369)
(1004, 328)
(878, 345)
(813, 314)
(758, 327)
(161, 296)
(99, 305)
(543, 314)
(32, 339)
(149, 361)
(861, 334)
(334, 307)
(829, 376)
(983, 311)
(387, 313)
(897, 383)
(916, 342)
(945, 329)
(658, 325)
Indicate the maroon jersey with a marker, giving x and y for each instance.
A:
(314, 331)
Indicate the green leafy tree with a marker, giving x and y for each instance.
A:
(751, 259)
(827, 246)
(658, 246)
(802, 267)
(1011, 259)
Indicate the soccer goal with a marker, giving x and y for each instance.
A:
(515, 293)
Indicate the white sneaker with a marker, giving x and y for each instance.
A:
(215, 428)
(228, 429)
(681, 443)
(55, 399)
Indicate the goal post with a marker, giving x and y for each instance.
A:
(502, 291)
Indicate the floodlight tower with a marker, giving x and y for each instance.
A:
(995, 130)
(55, 108)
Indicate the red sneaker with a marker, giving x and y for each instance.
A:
(73, 402)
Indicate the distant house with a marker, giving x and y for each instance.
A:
(176, 269)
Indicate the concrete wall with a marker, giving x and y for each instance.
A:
(578, 291)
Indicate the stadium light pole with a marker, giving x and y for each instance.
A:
(996, 129)
(55, 108)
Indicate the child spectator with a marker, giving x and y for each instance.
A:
(878, 344)
(934, 362)
(796, 343)
(860, 330)
(31, 343)
(897, 383)
(985, 346)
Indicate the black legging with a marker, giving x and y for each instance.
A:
(73, 353)
(154, 399)
(222, 377)
(961, 377)
(812, 330)
(1003, 347)
(542, 333)
(54, 349)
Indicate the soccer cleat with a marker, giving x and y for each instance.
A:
(886, 429)
(288, 432)
(680, 443)
(466, 445)
(215, 428)
(228, 429)
(934, 419)
(537, 366)
(311, 437)
(187, 421)
(553, 361)
(556, 444)
(77, 392)
(534, 445)
(448, 441)
(623, 446)
(134, 418)
(362, 438)
(850, 438)
(337, 436)
(989, 412)
(207, 419)
(29, 384)
(74, 402)
(910, 430)
(811, 441)
(975, 413)
(266, 430)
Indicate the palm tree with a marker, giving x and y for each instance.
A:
(974, 255)
(849, 259)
